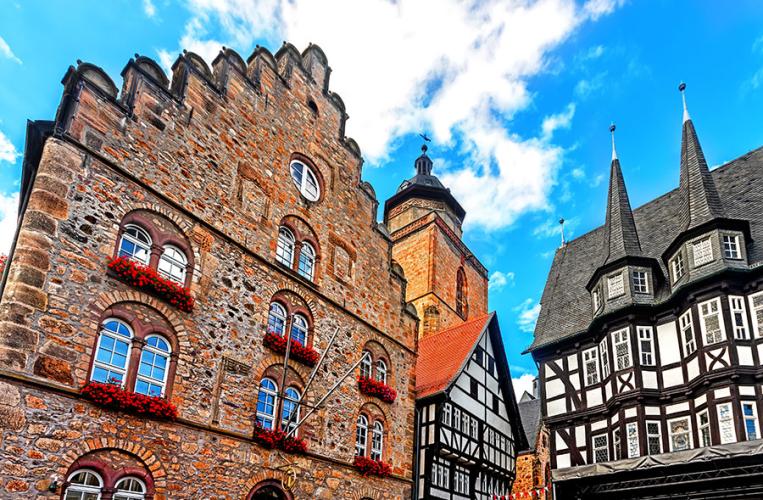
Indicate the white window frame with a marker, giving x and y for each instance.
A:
(84, 489)
(137, 242)
(604, 354)
(596, 300)
(686, 322)
(366, 365)
(752, 418)
(677, 267)
(604, 447)
(649, 436)
(285, 246)
(591, 355)
(703, 428)
(303, 183)
(446, 409)
(627, 341)
(301, 327)
(738, 311)
(276, 313)
(292, 396)
(710, 304)
(734, 250)
(267, 418)
(377, 441)
(753, 312)
(702, 252)
(381, 371)
(688, 432)
(729, 420)
(615, 286)
(640, 278)
(120, 494)
(361, 436)
(306, 261)
(175, 259)
(156, 351)
(632, 439)
(617, 444)
(103, 332)
(646, 334)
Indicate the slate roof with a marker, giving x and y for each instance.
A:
(529, 414)
(619, 225)
(700, 199)
(566, 304)
(443, 354)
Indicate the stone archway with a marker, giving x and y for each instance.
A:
(269, 490)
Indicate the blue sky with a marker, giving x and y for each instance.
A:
(517, 96)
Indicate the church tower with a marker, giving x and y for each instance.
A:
(446, 283)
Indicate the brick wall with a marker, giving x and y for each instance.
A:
(533, 467)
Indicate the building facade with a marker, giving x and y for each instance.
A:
(534, 463)
(237, 192)
(649, 340)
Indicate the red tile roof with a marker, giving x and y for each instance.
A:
(442, 354)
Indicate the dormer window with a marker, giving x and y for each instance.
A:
(731, 246)
(640, 282)
(596, 300)
(615, 286)
(677, 267)
(702, 251)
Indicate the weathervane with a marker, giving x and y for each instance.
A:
(426, 139)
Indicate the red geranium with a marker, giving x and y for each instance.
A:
(114, 397)
(369, 467)
(144, 277)
(305, 355)
(277, 439)
(375, 388)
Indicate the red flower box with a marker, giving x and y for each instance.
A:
(372, 387)
(144, 277)
(369, 467)
(114, 397)
(277, 439)
(305, 355)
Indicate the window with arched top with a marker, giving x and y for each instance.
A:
(283, 316)
(290, 413)
(130, 488)
(306, 267)
(361, 436)
(305, 180)
(135, 244)
(172, 264)
(462, 306)
(366, 365)
(374, 363)
(285, 246)
(381, 371)
(84, 484)
(277, 319)
(299, 329)
(266, 403)
(112, 355)
(154, 364)
(377, 441)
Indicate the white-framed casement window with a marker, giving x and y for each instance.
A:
(726, 423)
(615, 286)
(640, 282)
(290, 411)
(604, 353)
(653, 438)
(305, 180)
(153, 368)
(112, 355)
(306, 263)
(679, 430)
(703, 425)
(172, 264)
(631, 435)
(366, 365)
(446, 409)
(361, 436)
(596, 300)
(129, 488)
(591, 366)
(686, 326)
(441, 473)
(622, 347)
(266, 403)
(377, 441)
(646, 345)
(135, 244)
(750, 415)
(731, 246)
(600, 448)
(381, 371)
(285, 247)
(84, 484)
(461, 480)
(702, 251)
(711, 321)
(677, 267)
(457, 419)
(616, 444)
(756, 311)
(738, 317)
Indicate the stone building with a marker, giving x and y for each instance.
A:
(649, 340)
(237, 184)
(534, 463)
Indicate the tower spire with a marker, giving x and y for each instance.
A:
(622, 237)
(682, 89)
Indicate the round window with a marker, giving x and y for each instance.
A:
(305, 180)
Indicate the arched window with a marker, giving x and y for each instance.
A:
(277, 319)
(154, 362)
(285, 247)
(377, 441)
(381, 371)
(172, 264)
(266, 403)
(135, 244)
(84, 484)
(112, 353)
(306, 261)
(365, 365)
(305, 180)
(299, 329)
(462, 307)
(290, 406)
(361, 436)
(130, 488)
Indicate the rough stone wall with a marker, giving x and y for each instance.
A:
(213, 162)
(532, 467)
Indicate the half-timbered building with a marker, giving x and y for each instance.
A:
(650, 340)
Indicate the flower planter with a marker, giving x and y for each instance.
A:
(372, 387)
(305, 355)
(147, 279)
(114, 397)
(277, 439)
(368, 467)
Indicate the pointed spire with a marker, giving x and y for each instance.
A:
(682, 89)
(699, 196)
(621, 234)
(612, 131)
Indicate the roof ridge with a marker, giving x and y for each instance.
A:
(460, 325)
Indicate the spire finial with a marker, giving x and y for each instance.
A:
(682, 89)
(561, 223)
(612, 129)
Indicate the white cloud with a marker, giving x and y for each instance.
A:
(578, 173)
(558, 121)
(6, 52)
(149, 8)
(9, 206)
(594, 52)
(522, 384)
(528, 315)
(586, 87)
(8, 151)
(549, 228)
(459, 69)
(597, 8)
(499, 280)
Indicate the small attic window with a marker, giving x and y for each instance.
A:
(313, 107)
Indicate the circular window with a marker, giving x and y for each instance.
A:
(305, 180)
